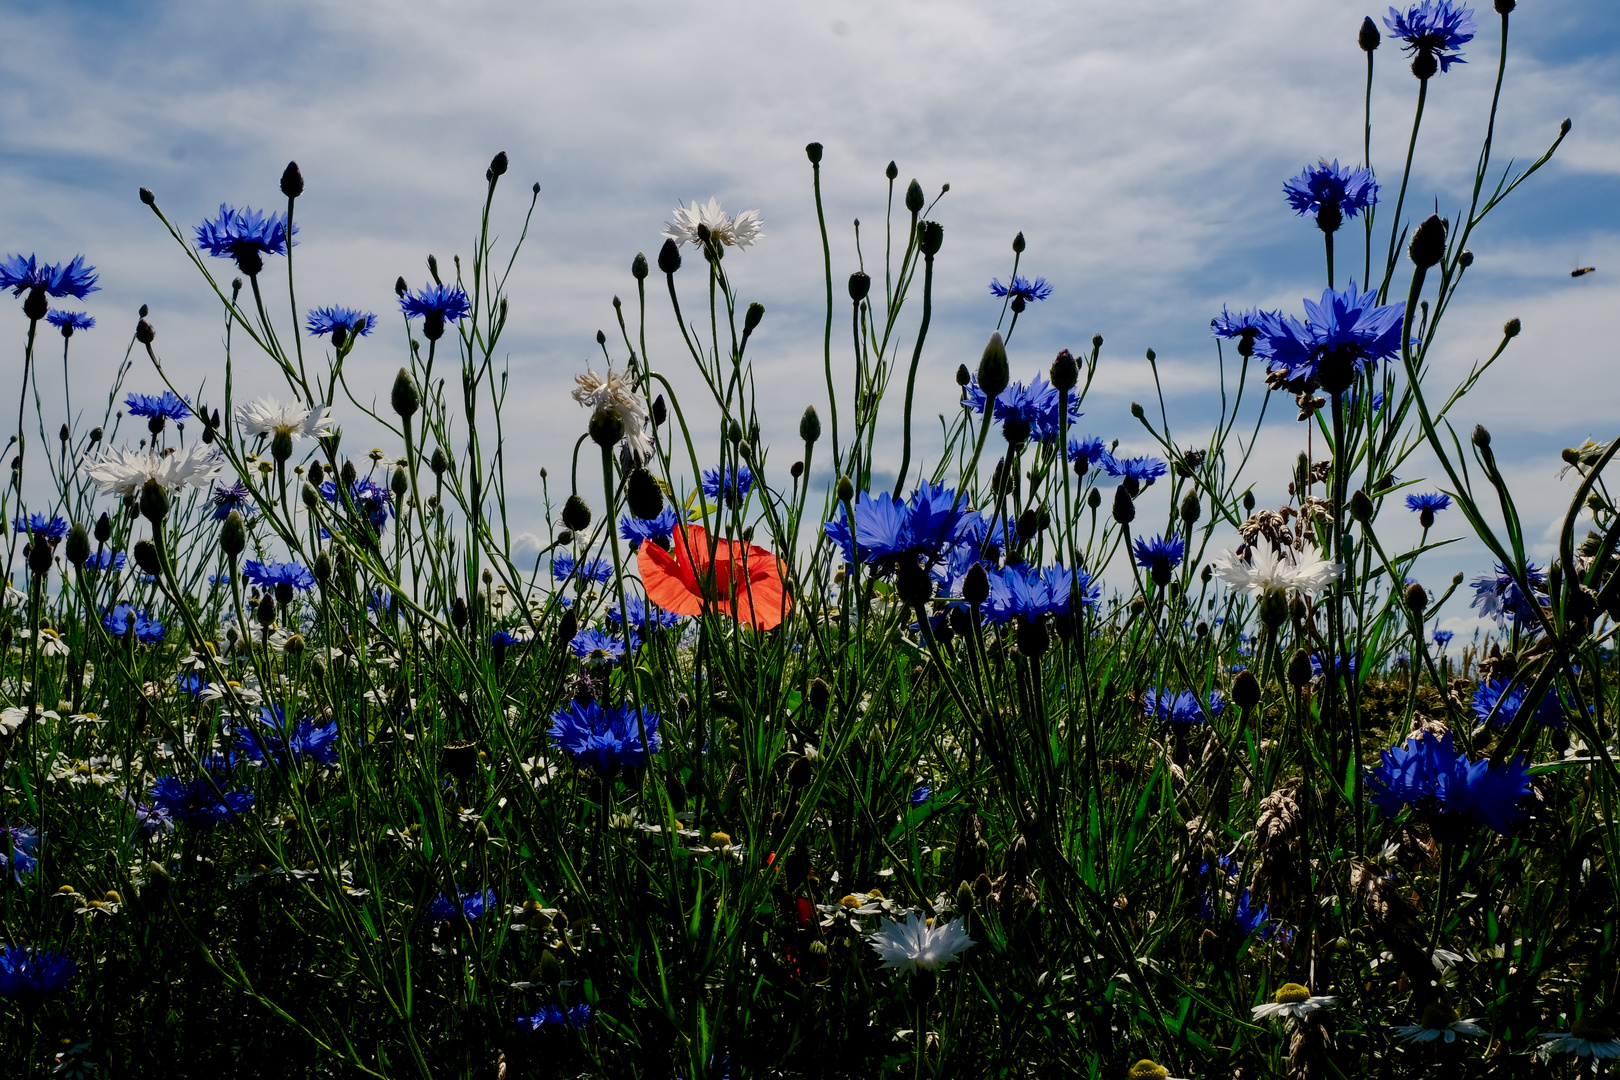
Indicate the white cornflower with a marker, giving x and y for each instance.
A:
(915, 945)
(1267, 570)
(267, 416)
(739, 231)
(123, 472)
(1439, 1021)
(617, 394)
(1293, 1001)
(1585, 1038)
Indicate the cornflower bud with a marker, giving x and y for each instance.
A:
(401, 484)
(1190, 508)
(660, 411)
(103, 528)
(1369, 37)
(233, 535)
(606, 428)
(1094, 499)
(146, 557)
(400, 288)
(267, 610)
(311, 495)
(1124, 508)
(1466, 259)
(914, 197)
(846, 489)
(39, 556)
(1299, 668)
(796, 470)
(567, 627)
(1511, 328)
(1248, 502)
(575, 514)
(1361, 507)
(458, 612)
(993, 368)
(809, 425)
(1245, 690)
(1065, 372)
(323, 568)
(669, 257)
(859, 285)
(1482, 437)
(976, 587)
(930, 235)
(78, 546)
(1018, 244)
(756, 312)
(1028, 522)
(645, 497)
(500, 164)
(1416, 598)
(348, 474)
(1137, 410)
(147, 197)
(1428, 244)
(813, 152)
(144, 332)
(638, 267)
(963, 375)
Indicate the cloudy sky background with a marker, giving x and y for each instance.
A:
(1140, 148)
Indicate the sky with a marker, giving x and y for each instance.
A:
(1139, 147)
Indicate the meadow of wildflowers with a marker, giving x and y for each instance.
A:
(1046, 760)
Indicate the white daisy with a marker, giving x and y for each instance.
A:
(1439, 1022)
(739, 231)
(1585, 1038)
(1267, 570)
(50, 642)
(617, 393)
(915, 945)
(1293, 1001)
(123, 472)
(11, 719)
(269, 417)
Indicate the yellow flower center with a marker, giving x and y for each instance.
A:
(113, 897)
(853, 901)
(1439, 1015)
(1291, 994)
(1147, 1070)
(1592, 1031)
(719, 839)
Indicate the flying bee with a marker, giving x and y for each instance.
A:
(1582, 271)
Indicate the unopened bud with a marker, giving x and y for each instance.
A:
(500, 164)
(154, 502)
(575, 514)
(144, 332)
(1124, 508)
(606, 428)
(993, 373)
(859, 285)
(1190, 508)
(1482, 437)
(669, 257)
(1065, 372)
(846, 489)
(638, 267)
(78, 545)
(1369, 37)
(915, 199)
(809, 425)
(1416, 598)
(1299, 668)
(813, 152)
(645, 497)
(146, 557)
(147, 197)
(930, 235)
(1428, 244)
(1361, 506)
(976, 587)
(756, 312)
(1511, 328)
(1245, 690)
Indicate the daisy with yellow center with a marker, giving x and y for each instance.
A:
(1439, 1022)
(1587, 1037)
(1293, 1001)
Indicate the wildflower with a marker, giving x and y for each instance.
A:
(70, 1064)
(556, 1018)
(25, 972)
(1134, 471)
(737, 578)
(190, 683)
(119, 620)
(370, 498)
(1184, 709)
(435, 305)
(203, 801)
(739, 231)
(1439, 1021)
(727, 485)
(1263, 570)
(470, 906)
(563, 566)
(1331, 193)
(1160, 556)
(595, 647)
(617, 394)
(69, 321)
(604, 737)
(1434, 31)
(275, 575)
(1549, 714)
(1587, 1037)
(50, 642)
(1021, 288)
(1343, 335)
(1498, 596)
(106, 560)
(14, 717)
(1032, 592)
(915, 945)
(235, 496)
(329, 320)
(18, 844)
(1427, 505)
(150, 818)
(107, 905)
(245, 235)
(267, 418)
(890, 534)
(658, 529)
(167, 405)
(1026, 411)
(272, 738)
(1084, 453)
(1444, 785)
(1443, 638)
(22, 275)
(52, 528)
(123, 472)
(1244, 326)
(1257, 920)
(644, 616)
(1292, 1001)
(921, 794)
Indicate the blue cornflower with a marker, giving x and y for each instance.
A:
(150, 818)
(890, 534)
(1084, 453)
(370, 498)
(203, 801)
(921, 794)
(1427, 505)
(1331, 193)
(1021, 288)
(727, 485)
(1550, 713)
(604, 737)
(470, 906)
(505, 639)
(245, 235)
(190, 683)
(563, 565)
(18, 844)
(1499, 597)
(1443, 638)
(22, 275)
(236, 496)
(1244, 326)
(436, 305)
(1134, 470)
(329, 320)
(1160, 556)
(595, 647)
(105, 559)
(1318, 667)
(276, 574)
(69, 321)
(660, 530)
(1184, 708)
(53, 528)
(156, 406)
(148, 631)
(1444, 785)
(1434, 31)
(274, 737)
(1257, 920)
(1032, 593)
(1036, 405)
(556, 1018)
(1341, 336)
(641, 612)
(25, 972)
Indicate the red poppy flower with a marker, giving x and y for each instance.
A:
(741, 580)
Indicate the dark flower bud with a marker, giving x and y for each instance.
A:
(1465, 259)
(1245, 690)
(400, 288)
(1015, 430)
(796, 470)
(669, 257)
(1299, 668)
(963, 375)
(1425, 64)
(565, 538)
(147, 197)
(734, 433)
(78, 545)
(1428, 244)
(458, 612)
(1065, 372)
(993, 368)
(1416, 598)
(1138, 605)
(144, 332)
(1124, 508)
(859, 285)
(439, 462)
(267, 610)
(1206, 573)
(1190, 509)
(930, 235)
(323, 568)
(500, 164)
(1137, 410)
(1029, 523)
(756, 312)
(638, 267)
(233, 535)
(576, 515)
(281, 445)
(976, 587)
(913, 585)
(1329, 217)
(1482, 437)
(95, 435)
(606, 429)
(601, 338)
(1369, 37)
(1563, 129)
(146, 557)
(892, 171)
(401, 484)
(39, 556)
(914, 197)
(1094, 499)
(846, 489)
(1503, 7)
(813, 152)
(1096, 341)
(154, 501)
(660, 411)
(292, 181)
(809, 425)
(348, 474)
(103, 529)
(567, 627)
(1032, 638)
(1361, 506)
(1511, 328)
(645, 497)
(1248, 502)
